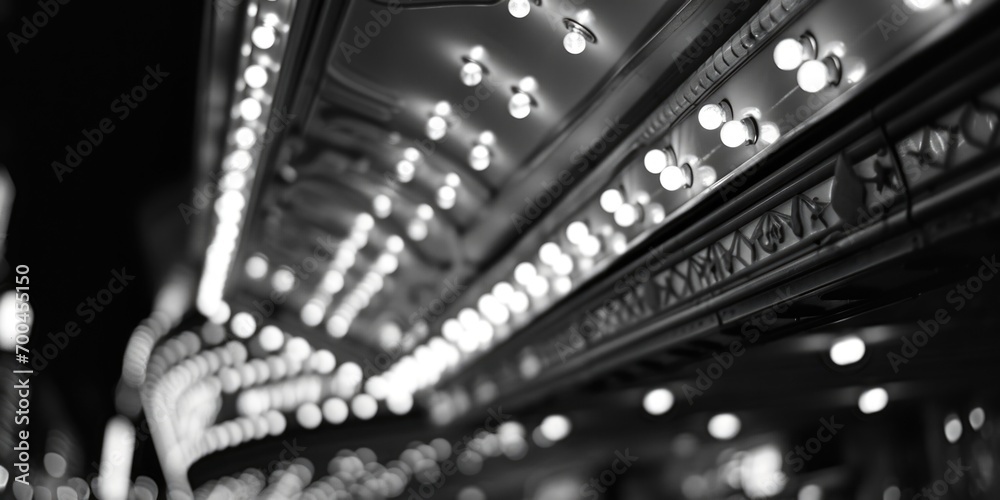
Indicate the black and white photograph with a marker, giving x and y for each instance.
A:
(500, 250)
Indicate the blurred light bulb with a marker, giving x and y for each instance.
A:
(255, 76)
(814, 76)
(847, 350)
(437, 127)
(789, 54)
(626, 215)
(405, 170)
(576, 232)
(712, 116)
(706, 175)
(675, 177)
(472, 74)
(922, 4)
(555, 427)
(425, 212)
(519, 8)
(656, 160)
(724, 426)
(611, 200)
(769, 133)
(574, 42)
(244, 137)
(250, 109)
(525, 272)
(873, 400)
(520, 105)
(417, 230)
(382, 206)
(658, 401)
(548, 253)
(952, 428)
(736, 133)
(446, 197)
(263, 37)
(256, 266)
(479, 157)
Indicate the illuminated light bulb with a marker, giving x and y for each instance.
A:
(525, 272)
(658, 401)
(240, 160)
(675, 177)
(724, 426)
(283, 280)
(658, 159)
(312, 313)
(425, 212)
(255, 76)
(263, 37)
(394, 244)
(562, 285)
(769, 133)
(244, 137)
(520, 105)
(437, 128)
(590, 246)
(256, 266)
(563, 265)
(442, 108)
(518, 302)
(656, 212)
(382, 206)
(519, 8)
(364, 222)
(736, 133)
(411, 154)
(977, 417)
(399, 402)
(814, 76)
(712, 116)
(492, 309)
(626, 215)
(387, 264)
(487, 138)
(417, 230)
(555, 427)
(405, 170)
(538, 286)
(271, 338)
(337, 326)
(446, 197)
(471, 74)
(309, 416)
(364, 406)
(243, 325)
(577, 232)
(479, 157)
(611, 200)
(503, 291)
(706, 175)
(847, 350)
(549, 253)
(873, 400)
(952, 428)
(574, 42)
(922, 4)
(335, 411)
(250, 109)
(789, 54)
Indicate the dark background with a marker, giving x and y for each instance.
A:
(118, 208)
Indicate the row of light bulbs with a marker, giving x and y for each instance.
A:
(577, 35)
(264, 51)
